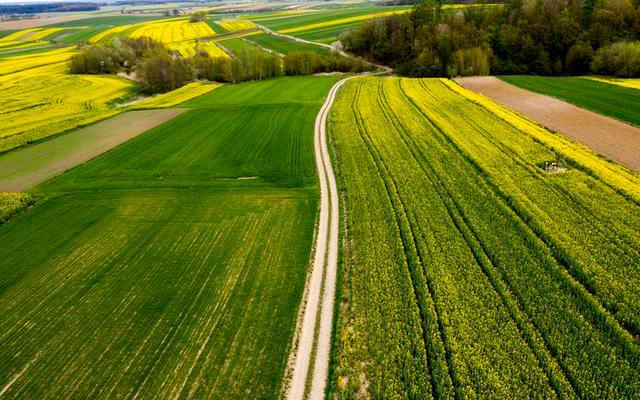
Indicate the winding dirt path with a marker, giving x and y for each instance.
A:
(316, 323)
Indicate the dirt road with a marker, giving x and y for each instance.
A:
(613, 139)
(24, 168)
(315, 327)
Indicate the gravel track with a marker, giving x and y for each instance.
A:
(316, 323)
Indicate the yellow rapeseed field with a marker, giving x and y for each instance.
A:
(19, 63)
(174, 31)
(189, 91)
(212, 49)
(40, 102)
(27, 36)
(234, 25)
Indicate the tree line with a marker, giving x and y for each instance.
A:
(158, 70)
(543, 37)
(47, 7)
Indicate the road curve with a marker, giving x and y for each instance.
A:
(316, 323)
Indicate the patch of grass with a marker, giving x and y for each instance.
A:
(174, 265)
(285, 46)
(609, 100)
(236, 45)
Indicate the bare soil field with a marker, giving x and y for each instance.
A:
(24, 168)
(36, 22)
(613, 139)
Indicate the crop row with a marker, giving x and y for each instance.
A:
(586, 223)
(497, 313)
(44, 101)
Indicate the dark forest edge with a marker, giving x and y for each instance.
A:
(542, 37)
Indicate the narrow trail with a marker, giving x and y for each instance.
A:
(318, 314)
(310, 355)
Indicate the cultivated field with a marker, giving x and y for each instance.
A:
(41, 102)
(614, 139)
(470, 269)
(601, 97)
(22, 169)
(173, 265)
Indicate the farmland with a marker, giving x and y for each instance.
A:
(174, 225)
(175, 272)
(284, 46)
(45, 101)
(468, 246)
(603, 98)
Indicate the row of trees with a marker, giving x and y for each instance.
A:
(545, 37)
(160, 71)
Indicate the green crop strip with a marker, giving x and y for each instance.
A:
(172, 266)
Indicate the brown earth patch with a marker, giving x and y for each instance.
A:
(613, 139)
(24, 168)
(36, 22)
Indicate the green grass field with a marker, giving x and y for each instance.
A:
(328, 34)
(236, 45)
(470, 272)
(284, 46)
(609, 100)
(172, 266)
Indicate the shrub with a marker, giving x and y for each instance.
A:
(469, 62)
(620, 59)
(309, 62)
(160, 72)
(579, 58)
(198, 16)
(100, 60)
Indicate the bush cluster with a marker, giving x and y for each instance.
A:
(159, 71)
(309, 62)
(544, 37)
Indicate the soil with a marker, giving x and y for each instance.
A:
(606, 136)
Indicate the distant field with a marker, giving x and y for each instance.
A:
(235, 45)
(284, 46)
(40, 102)
(172, 266)
(21, 62)
(469, 271)
(603, 98)
(297, 21)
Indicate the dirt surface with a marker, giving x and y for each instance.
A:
(24, 168)
(35, 22)
(613, 139)
(321, 286)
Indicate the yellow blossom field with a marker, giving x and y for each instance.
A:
(236, 25)
(19, 63)
(173, 31)
(212, 49)
(40, 102)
